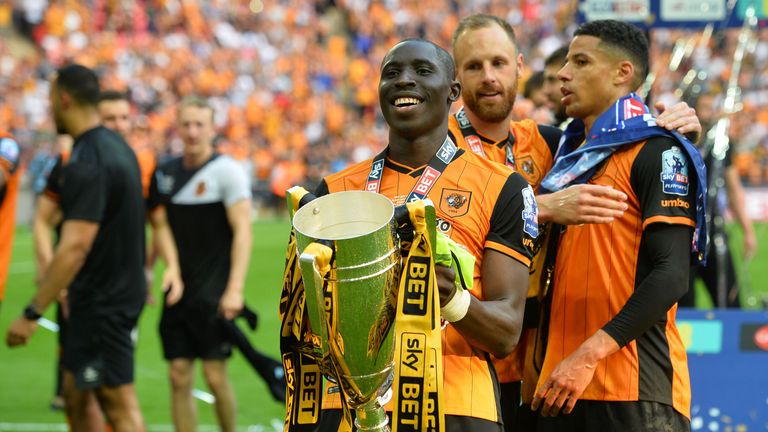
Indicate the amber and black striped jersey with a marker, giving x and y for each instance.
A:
(532, 154)
(600, 267)
(481, 205)
(10, 172)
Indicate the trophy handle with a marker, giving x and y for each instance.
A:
(315, 262)
(296, 197)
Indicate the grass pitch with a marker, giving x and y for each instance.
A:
(27, 379)
(27, 382)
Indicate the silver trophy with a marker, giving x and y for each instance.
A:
(351, 299)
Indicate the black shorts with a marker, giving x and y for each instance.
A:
(330, 419)
(526, 419)
(98, 350)
(194, 331)
(601, 416)
(510, 404)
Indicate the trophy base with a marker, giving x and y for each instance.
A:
(371, 417)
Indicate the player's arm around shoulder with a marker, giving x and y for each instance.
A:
(494, 324)
(582, 204)
(680, 117)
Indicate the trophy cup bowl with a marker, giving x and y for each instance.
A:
(351, 308)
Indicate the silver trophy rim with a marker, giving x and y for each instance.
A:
(305, 213)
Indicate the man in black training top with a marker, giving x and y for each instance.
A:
(99, 258)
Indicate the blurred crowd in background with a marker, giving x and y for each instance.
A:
(294, 82)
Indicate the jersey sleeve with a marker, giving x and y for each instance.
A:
(235, 184)
(664, 180)
(514, 221)
(85, 190)
(551, 136)
(9, 156)
(668, 250)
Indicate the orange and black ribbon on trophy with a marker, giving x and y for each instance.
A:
(418, 375)
(418, 382)
(302, 371)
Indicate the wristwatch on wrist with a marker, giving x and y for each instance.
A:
(31, 313)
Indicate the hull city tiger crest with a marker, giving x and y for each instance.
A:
(528, 169)
(200, 190)
(455, 202)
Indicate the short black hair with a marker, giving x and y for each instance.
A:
(622, 37)
(80, 82)
(557, 58)
(534, 82)
(478, 21)
(443, 56)
(112, 95)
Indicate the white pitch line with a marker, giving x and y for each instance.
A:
(203, 396)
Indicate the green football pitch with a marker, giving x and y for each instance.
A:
(27, 379)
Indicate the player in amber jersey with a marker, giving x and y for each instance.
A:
(484, 206)
(614, 358)
(489, 65)
(9, 188)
